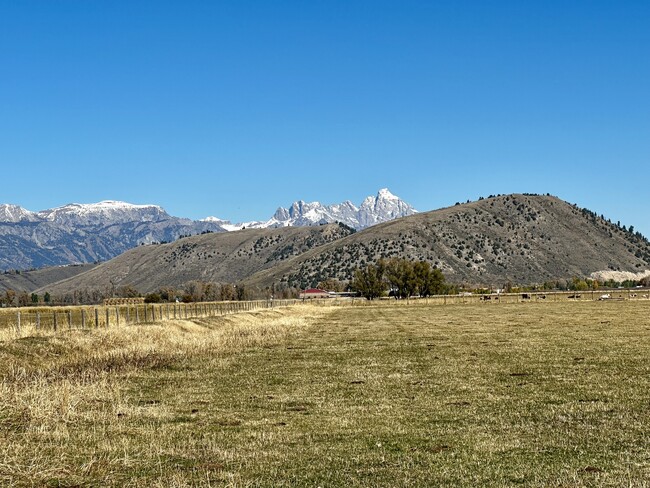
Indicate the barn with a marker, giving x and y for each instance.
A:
(314, 293)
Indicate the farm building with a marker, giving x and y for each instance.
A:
(314, 293)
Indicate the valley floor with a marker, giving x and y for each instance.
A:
(534, 394)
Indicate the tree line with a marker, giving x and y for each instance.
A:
(399, 278)
(192, 291)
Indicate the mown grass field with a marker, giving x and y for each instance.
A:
(531, 394)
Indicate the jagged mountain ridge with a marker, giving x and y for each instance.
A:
(373, 210)
(521, 239)
(524, 239)
(86, 233)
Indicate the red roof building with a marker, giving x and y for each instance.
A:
(314, 293)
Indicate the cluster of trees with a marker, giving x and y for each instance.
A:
(12, 298)
(401, 277)
(584, 284)
(193, 291)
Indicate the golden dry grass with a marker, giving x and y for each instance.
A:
(532, 394)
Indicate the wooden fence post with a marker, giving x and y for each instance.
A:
(137, 315)
(117, 316)
(54, 321)
(107, 312)
(69, 319)
(96, 317)
(18, 321)
(145, 314)
(38, 320)
(83, 318)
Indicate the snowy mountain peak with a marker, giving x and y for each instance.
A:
(15, 213)
(385, 194)
(382, 208)
(373, 210)
(107, 212)
(216, 220)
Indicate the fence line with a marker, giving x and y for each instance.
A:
(88, 317)
(498, 298)
(84, 317)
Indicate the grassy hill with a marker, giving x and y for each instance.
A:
(518, 238)
(522, 239)
(215, 257)
(35, 279)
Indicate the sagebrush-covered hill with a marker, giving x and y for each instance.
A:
(522, 239)
(226, 257)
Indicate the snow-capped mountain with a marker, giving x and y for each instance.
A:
(382, 208)
(15, 213)
(82, 233)
(107, 212)
(373, 210)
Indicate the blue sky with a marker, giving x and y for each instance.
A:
(232, 108)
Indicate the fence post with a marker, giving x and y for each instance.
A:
(54, 321)
(69, 319)
(107, 312)
(83, 318)
(96, 317)
(117, 316)
(128, 314)
(18, 321)
(137, 315)
(145, 314)
(38, 320)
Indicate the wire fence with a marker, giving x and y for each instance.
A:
(88, 317)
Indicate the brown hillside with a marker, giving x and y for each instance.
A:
(226, 257)
(32, 280)
(522, 239)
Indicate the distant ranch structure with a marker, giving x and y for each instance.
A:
(314, 293)
(124, 301)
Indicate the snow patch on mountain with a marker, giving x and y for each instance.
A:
(373, 210)
(15, 213)
(107, 212)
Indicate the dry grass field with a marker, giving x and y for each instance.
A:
(522, 394)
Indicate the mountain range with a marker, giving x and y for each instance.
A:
(373, 210)
(86, 233)
(522, 239)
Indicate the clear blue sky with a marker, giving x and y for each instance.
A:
(232, 108)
